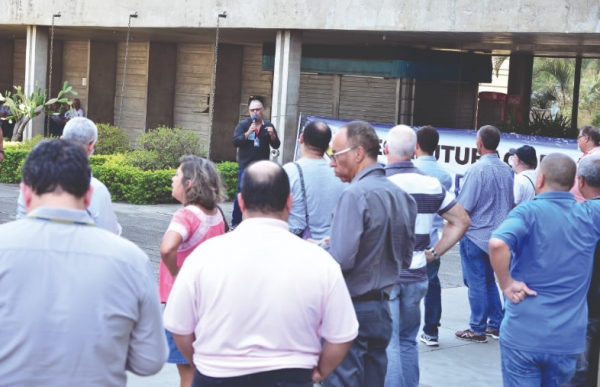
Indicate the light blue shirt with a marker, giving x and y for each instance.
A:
(78, 305)
(100, 208)
(429, 166)
(487, 195)
(552, 239)
(323, 190)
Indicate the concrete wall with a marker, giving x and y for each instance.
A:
(102, 82)
(75, 68)
(19, 62)
(57, 68)
(193, 87)
(227, 101)
(255, 81)
(6, 64)
(395, 15)
(161, 84)
(136, 89)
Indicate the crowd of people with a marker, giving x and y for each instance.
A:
(322, 277)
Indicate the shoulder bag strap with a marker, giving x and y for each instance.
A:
(530, 182)
(224, 218)
(303, 192)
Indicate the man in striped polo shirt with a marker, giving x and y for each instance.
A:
(405, 299)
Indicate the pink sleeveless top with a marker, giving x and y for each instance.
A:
(195, 227)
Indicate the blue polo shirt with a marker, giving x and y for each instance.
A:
(552, 239)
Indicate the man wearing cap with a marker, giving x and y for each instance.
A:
(524, 162)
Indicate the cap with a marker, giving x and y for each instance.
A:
(526, 154)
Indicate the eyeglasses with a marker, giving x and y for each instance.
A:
(336, 154)
(256, 110)
(581, 135)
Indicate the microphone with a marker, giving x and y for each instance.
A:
(254, 118)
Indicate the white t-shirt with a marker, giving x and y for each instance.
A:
(323, 190)
(259, 299)
(524, 187)
(74, 113)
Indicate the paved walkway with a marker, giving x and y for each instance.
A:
(453, 363)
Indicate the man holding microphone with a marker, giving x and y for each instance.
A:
(254, 137)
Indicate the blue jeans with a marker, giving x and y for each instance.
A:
(433, 300)
(484, 298)
(529, 369)
(236, 215)
(402, 352)
(366, 362)
(291, 377)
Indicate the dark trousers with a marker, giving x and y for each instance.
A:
(365, 365)
(433, 300)
(7, 129)
(236, 216)
(291, 377)
(586, 370)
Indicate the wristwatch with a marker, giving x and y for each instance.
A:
(435, 255)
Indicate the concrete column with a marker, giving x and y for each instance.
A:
(286, 90)
(36, 71)
(520, 73)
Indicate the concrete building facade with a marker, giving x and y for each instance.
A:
(384, 61)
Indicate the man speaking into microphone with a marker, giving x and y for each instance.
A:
(253, 137)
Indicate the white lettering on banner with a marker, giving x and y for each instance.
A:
(457, 151)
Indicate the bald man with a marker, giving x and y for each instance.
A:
(244, 314)
(546, 280)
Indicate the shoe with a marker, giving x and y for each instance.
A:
(431, 341)
(469, 335)
(492, 333)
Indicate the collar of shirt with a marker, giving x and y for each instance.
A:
(401, 167)
(489, 156)
(555, 195)
(378, 169)
(427, 158)
(592, 151)
(80, 216)
(251, 224)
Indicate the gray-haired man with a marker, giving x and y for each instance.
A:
(83, 131)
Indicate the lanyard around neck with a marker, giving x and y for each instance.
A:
(61, 220)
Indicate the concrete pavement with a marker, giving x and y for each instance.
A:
(453, 363)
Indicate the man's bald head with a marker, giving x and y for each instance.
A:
(265, 188)
(558, 171)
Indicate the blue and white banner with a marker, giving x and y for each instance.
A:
(457, 150)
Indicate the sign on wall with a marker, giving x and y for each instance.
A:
(457, 150)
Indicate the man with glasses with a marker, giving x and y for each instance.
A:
(588, 141)
(253, 137)
(372, 238)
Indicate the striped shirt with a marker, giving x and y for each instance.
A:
(431, 199)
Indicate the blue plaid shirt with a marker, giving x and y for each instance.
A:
(487, 195)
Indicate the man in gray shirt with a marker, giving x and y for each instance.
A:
(78, 304)
(83, 131)
(321, 188)
(372, 238)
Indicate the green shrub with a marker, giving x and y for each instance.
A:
(125, 182)
(161, 148)
(229, 175)
(111, 140)
(27, 144)
(10, 168)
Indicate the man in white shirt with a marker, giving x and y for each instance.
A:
(75, 111)
(85, 132)
(78, 304)
(250, 307)
(524, 162)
